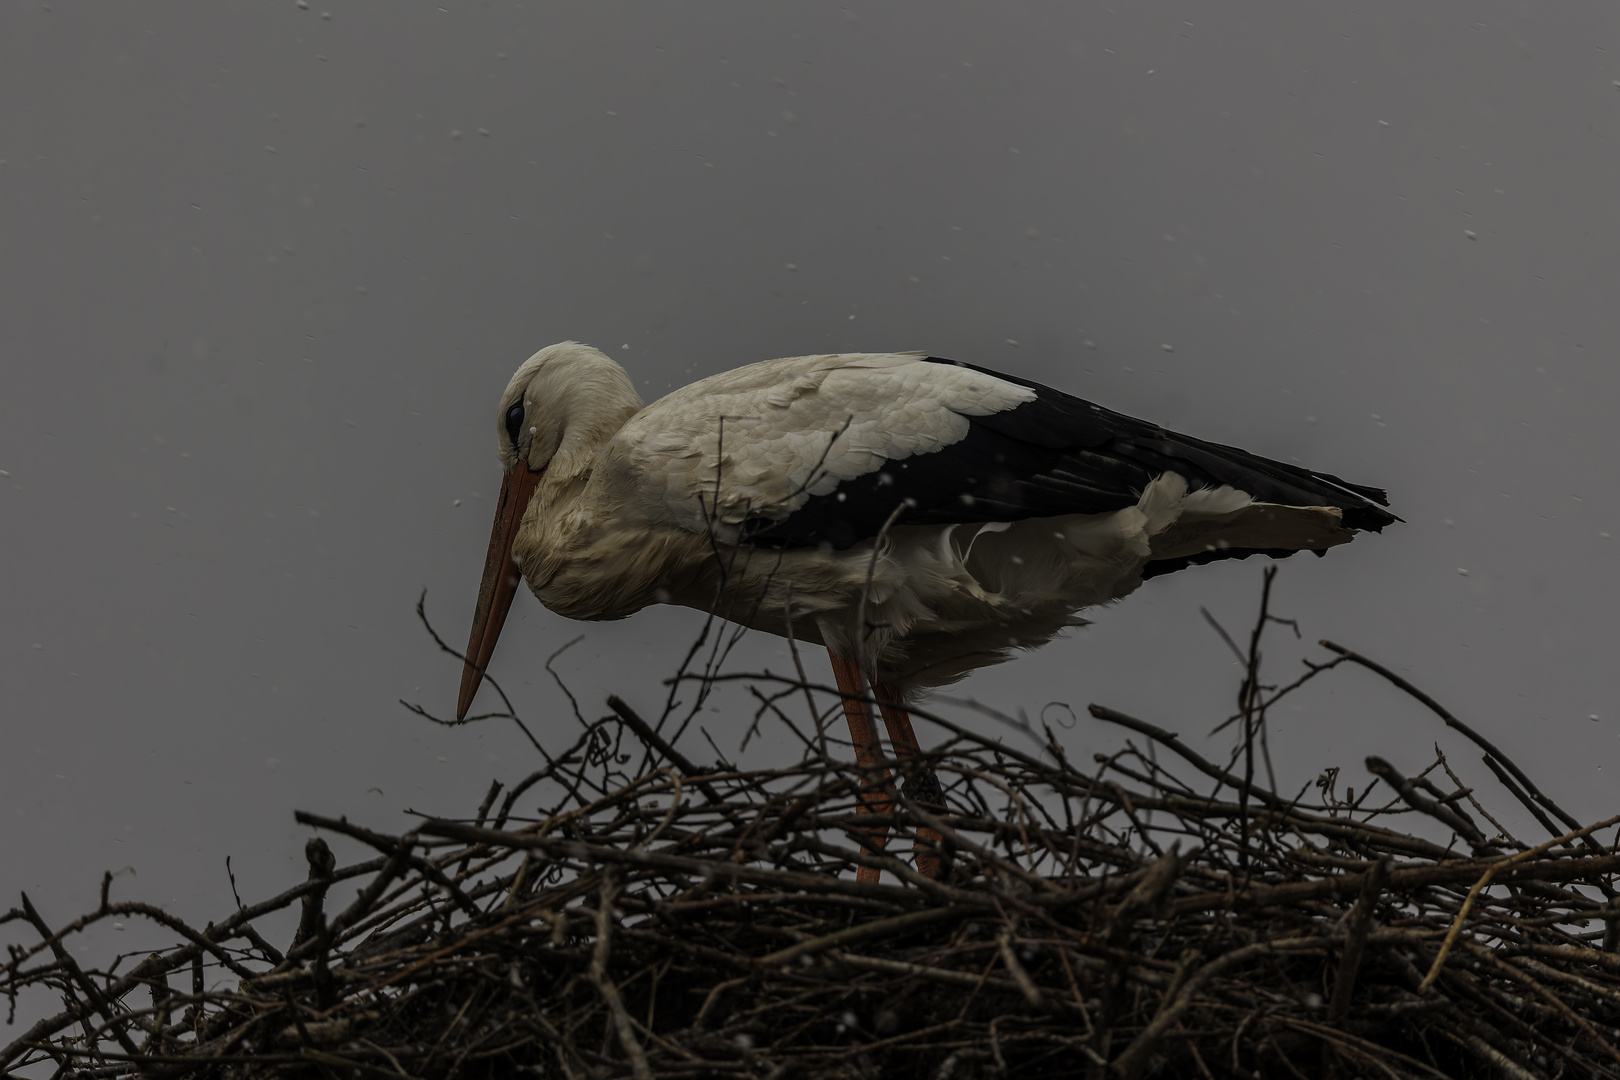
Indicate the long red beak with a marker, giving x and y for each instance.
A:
(501, 577)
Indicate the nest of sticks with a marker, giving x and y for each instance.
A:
(1148, 913)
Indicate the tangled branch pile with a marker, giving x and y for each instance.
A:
(1122, 919)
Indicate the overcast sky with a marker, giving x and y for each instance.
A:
(265, 272)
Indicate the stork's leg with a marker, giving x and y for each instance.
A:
(868, 753)
(921, 785)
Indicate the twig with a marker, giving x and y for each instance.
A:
(98, 1000)
(647, 735)
(1344, 982)
(1485, 879)
(623, 1025)
(1457, 725)
(1446, 815)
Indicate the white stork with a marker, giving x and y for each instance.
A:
(918, 517)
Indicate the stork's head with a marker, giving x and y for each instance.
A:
(562, 404)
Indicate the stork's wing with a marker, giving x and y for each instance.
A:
(815, 450)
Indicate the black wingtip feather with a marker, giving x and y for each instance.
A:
(1054, 455)
(1060, 421)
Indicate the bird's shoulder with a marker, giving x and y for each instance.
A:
(761, 439)
(806, 393)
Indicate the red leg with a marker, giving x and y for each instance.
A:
(919, 781)
(868, 754)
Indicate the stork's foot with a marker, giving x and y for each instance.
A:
(921, 785)
(923, 790)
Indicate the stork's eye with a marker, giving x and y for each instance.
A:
(514, 422)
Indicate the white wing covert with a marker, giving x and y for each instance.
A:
(746, 449)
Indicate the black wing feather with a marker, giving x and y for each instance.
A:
(1057, 454)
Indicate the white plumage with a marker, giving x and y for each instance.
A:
(624, 510)
(918, 517)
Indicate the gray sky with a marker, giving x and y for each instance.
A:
(265, 273)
